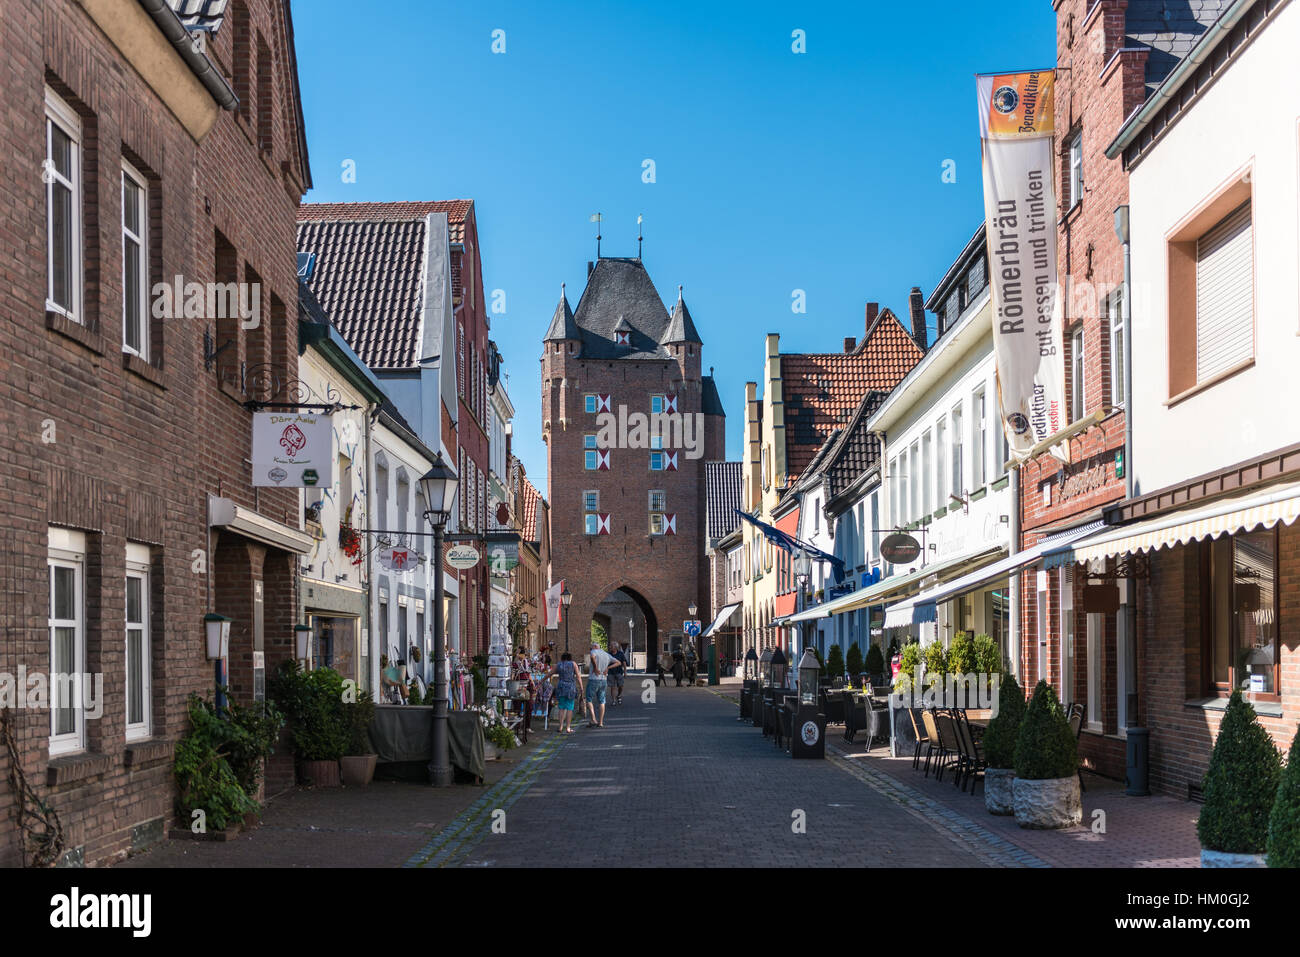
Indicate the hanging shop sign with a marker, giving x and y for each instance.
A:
(462, 556)
(293, 449)
(1016, 128)
(900, 549)
(398, 558)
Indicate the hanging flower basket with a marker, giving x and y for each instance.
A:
(350, 542)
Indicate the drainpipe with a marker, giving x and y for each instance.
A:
(172, 28)
(1122, 232)
(1013, 546)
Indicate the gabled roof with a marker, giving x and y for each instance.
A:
(1168, 29)
(723, 482)
(822, 390)
(680, 327)
(856, 449)
(457, 210)
(621, 289)
(369, 277)
(562, 324)
(529, 512)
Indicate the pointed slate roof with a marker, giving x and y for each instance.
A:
(1168, 29)
(711, 401)
(562, 323)
(680, 327)
(621, 290)
(722, 497)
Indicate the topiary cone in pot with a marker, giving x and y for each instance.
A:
(1240, 790)
(1000, 748)
(1046, 789)
(1284, 822)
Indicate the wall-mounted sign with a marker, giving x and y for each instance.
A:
(293, 449)
(397, 558)
(900, 548)
(502, 557)
(462, 556)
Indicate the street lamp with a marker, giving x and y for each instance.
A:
(439, 488)
(302, 635)
(631, 643)
(803, 574)
(778, 666)
(751, 665)
(217, 631)
(566, 598)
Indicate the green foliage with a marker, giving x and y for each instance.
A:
(1045, 745)
(961, 658)
(1000, 738)
(1284, 822)
(479, 676)
(893, 648)
(205, 778)
(313, 703)
(359, 714)
(501, 736)
(413, 693)
(1241, 785)
(835, 662)
(854, 661)
(252, 735)
(988, 660)
(875, 661)
(907, 665)
(936, 659)
(599, 635)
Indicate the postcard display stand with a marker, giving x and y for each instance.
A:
(498, 668)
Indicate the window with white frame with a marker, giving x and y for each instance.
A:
(62, 175)
(927, 472)
(67, 624)
(1074, 179)
(135, 262)
(955, 458)
(1065, 588)
(893, 494)
(656, 523)
(592, 403)
(941, 476)
(979, 439)
(1077, 405)
(914, 481)
(138, 653)
(1114, 316)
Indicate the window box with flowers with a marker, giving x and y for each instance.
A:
(350, 542)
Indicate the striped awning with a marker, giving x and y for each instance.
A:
(718, 622)
(1261, 507)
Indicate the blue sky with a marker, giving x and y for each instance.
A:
(774, 171)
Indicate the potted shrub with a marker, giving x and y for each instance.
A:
(875, 665)
(908, 662)
(961, 658)
(835, 662)
(357, 766)
(313, 702)
(1240, 789)
(1000, 748)
(209, 796)
(1045, 792)
(1284, 822)
(936, 661)
(853, 660)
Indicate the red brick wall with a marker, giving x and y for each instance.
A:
(136, 448)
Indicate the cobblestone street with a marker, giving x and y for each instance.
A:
(682, 783)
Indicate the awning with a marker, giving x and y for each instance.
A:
(225, 514)
(890, 587)
(721, 619)
(1227, 516)
(924, 607)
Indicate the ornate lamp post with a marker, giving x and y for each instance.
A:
(803, 574)
(439, 488)
(566, 598)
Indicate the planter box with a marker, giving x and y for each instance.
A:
(358, 770)
(320, 774)
(1225, 859)
(490, 751)
(1048, 804)
(999, 797)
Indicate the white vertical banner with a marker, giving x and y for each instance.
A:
(1016, 128)
(553, 605)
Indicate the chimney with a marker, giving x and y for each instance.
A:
(873, 310)
(916, 304)
(590, 266)
(849, 344)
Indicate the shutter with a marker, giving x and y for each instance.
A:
(1224, 295)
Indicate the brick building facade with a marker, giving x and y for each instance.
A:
(128, 511)
(630, 518)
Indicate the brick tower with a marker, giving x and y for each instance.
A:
(627, 508)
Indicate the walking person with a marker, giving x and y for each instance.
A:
(617, 673)
(566, 691)
(679, 666)
(598, 664)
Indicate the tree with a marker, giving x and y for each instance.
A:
(1000, 738)
(854, 661)
(835, 662)
(1045, 745)
(875, 661)
(599, 635)
(1241, 785)
(1284, 822)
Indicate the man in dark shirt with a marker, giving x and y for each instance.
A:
(616, 675)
